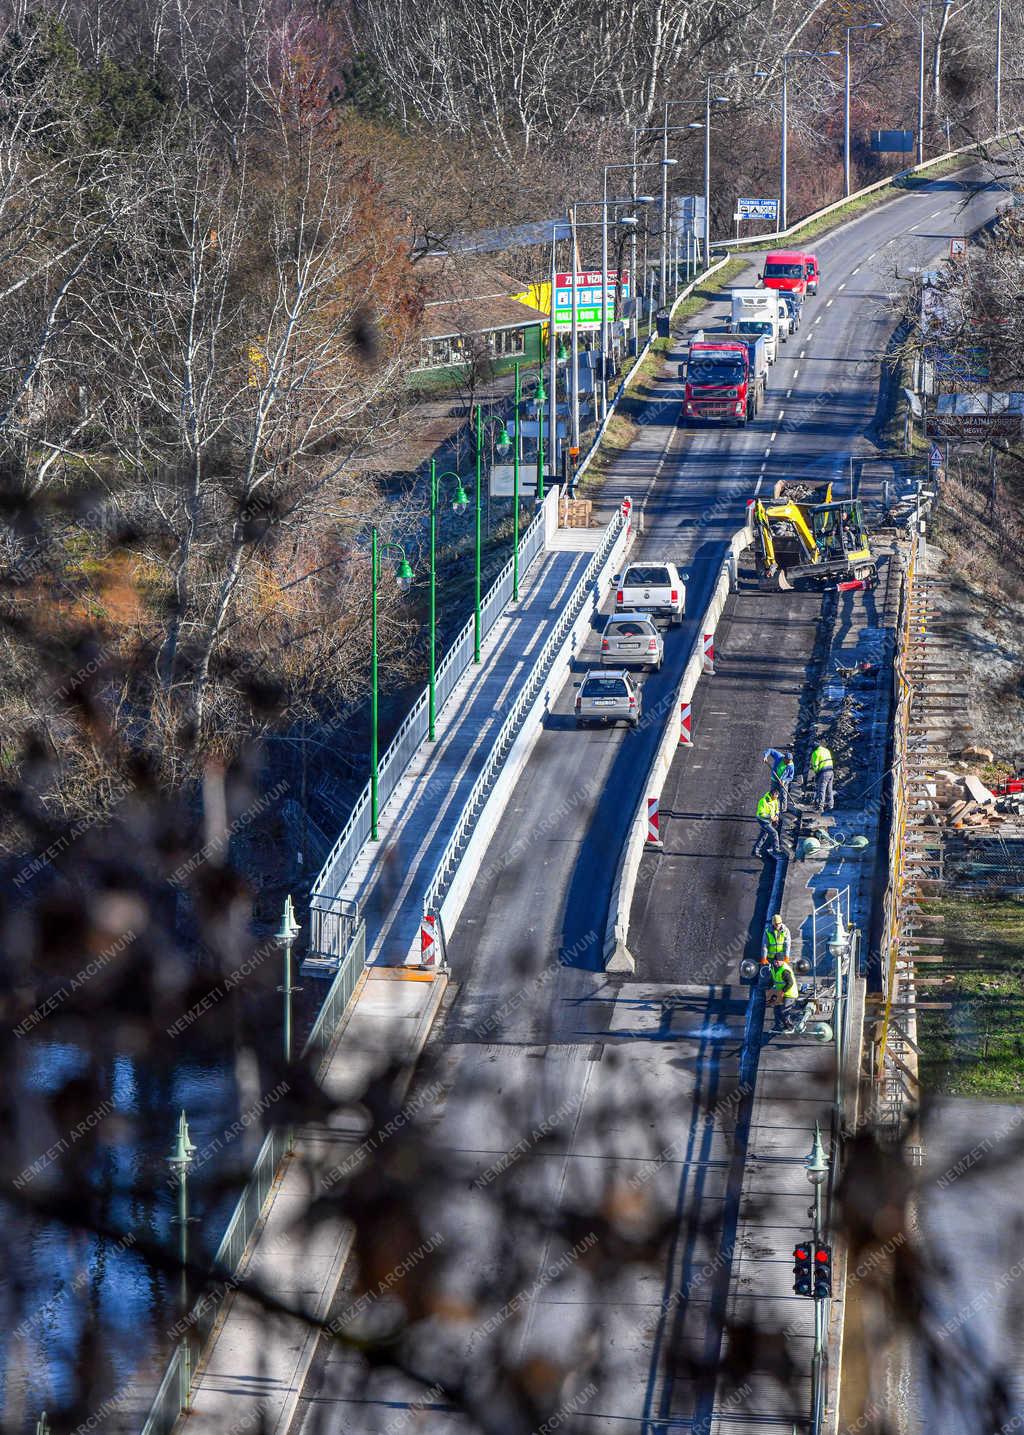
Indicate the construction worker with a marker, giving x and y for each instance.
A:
(784, 993)
(776, 940)
(783, 773)
(824, 775)
(768, 819)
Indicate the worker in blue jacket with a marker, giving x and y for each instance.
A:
(783, 773)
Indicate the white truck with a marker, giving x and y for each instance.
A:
(654, 588)
(759, 311)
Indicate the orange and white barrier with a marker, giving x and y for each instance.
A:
(709, 653)
(685, 720)
(654, 842)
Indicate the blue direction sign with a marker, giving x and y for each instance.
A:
(757, 209)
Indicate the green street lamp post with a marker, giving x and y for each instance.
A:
(179, 1161)
(503, 445)
(515, 491)
(403, 576)
(542, 399)
(459, 502)
(285, 938)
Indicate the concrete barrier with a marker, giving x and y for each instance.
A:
(617, 956)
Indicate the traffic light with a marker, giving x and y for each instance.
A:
(803, 1281)
(822, 1272)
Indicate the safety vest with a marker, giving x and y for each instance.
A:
(784, 981)
(768, 808)
(820, 758)
(776, 939)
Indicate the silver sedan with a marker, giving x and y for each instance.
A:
(632, 638)
(608, 697)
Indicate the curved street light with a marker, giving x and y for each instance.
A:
(403, 577)
(459, 503)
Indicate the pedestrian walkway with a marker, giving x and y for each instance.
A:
(390, 878)
(253, 1373)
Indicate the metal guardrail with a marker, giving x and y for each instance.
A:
(413, 731)
(510, 727)
(172, 1395)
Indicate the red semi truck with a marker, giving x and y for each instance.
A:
(717, 382)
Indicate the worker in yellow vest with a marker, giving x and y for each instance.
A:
(768, 821)
(823, 772)
(784, 992)
(777, 940)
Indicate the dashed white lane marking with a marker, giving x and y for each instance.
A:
(855, 271)
(767, 450)
(842, 286)
(789, 392)
(757, 485)
(829, 303)
(819, 318)
(872, 254)
(802, 353)
(775, 434)
(935, 215)
(915, 226)
(782, 415)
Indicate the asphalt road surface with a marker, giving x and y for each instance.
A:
(642, 1080)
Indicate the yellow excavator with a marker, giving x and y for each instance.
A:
(804, 535)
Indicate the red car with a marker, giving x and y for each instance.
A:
(786, 269)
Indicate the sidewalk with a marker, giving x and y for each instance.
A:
(254, 1372)
(390, 878)
(795, 1074)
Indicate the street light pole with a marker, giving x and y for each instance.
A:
(817, 1166)
(477, 546)
(459, 502)
(404, 578)
(285, 938)
(920, 92)
(999, 67)
(872, 25)
(707, 172)
(515, 491)
(665, 163)
(574, 361)
(783, 195)
(604, 294)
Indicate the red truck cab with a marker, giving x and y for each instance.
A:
(786, 269)
(717, 382)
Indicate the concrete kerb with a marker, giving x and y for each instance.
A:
(635, 366)
(976, 147)
(617, 956)
(497, 799)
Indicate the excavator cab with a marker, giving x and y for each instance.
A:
(820, 543)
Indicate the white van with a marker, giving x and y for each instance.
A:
(758, 311)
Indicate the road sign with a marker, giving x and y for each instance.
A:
(968, 366)
(935, 456)
(588, 298)
(892, 141)
(503, 479)
(977, 416)
(757, 209)
(957, 247)
(690, 214)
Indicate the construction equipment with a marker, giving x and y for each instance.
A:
(806, 536)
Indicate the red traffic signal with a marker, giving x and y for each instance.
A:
(822, 1272)
(803, 1282)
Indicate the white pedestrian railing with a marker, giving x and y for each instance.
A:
(406, 743)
